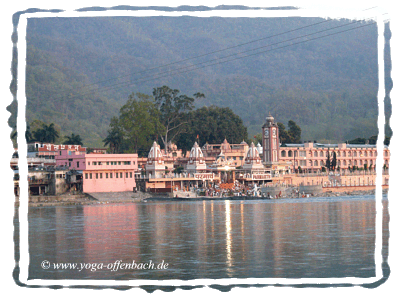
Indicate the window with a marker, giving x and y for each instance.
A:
(107, 175)
(116, 175)
(69, 152)
(134, 162)
(110, 175)
(90, 175)
(130, 174)
(119, 163)
(94, 163)
(283, 153)
(101, 175)
(97, 176)
(127, 162)
(60, 152)
(302, 153)
(126, 175)
(86, 176)
(77, 164)
(69, 164)
(120, 175)
(88, 163)
(108, 163)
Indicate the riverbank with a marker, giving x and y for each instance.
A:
(130, 197)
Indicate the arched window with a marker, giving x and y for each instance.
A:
(315, 154)
(321, 154)
(315, 163)
(290, 153)
(283, 153)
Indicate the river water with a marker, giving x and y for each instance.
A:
(285, 238)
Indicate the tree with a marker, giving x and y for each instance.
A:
(328, 162)
(257, 139)
(28, 134)
(292, 135)
(46, 134)
(334, 162)
(212, 125)
(172, 108)
(73, 140)
(294, 132)
(283, 134)
(139, 121)
(114, 137)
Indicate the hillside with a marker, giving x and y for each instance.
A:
(79, 71)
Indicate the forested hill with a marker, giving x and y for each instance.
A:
(80, 71)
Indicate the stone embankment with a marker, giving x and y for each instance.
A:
(351, 193)
(90, 198)
(129, 197)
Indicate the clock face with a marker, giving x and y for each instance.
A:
(266, 133)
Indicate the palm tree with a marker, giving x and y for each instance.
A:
(46, 134)
(73, 140)
(113, 139)
(28, 134)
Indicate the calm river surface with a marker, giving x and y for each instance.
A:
(291, 238)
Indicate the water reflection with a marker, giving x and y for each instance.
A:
(228, 238)
(209, 239)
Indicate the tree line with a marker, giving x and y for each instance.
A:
(167, 116)
(38, 131)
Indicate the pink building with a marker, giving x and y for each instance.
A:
(109, 172)
(70, 158)
(102, 172)
(311, 157)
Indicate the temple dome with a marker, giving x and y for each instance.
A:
(155, 151)
(270, 118)
(196, 151)
(252, 160)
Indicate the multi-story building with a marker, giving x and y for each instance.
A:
(311, 157)
(109, 172)
(234, 152)
(71, 159)
(102, 172)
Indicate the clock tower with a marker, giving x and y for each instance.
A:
(270, 141)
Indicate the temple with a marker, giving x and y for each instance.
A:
(233, 167)
(269, 167)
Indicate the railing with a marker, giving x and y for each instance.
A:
(35, 160)
(341, 172)
(170, 176)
